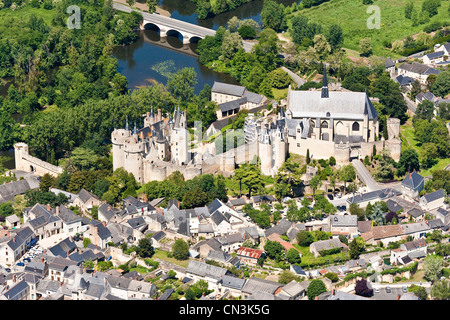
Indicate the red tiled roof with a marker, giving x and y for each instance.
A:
(250, 253)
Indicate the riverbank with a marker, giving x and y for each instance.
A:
(144, 7)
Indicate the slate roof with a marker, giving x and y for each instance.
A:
(16, 290)
(434, 196)
(67, 215)
(238, 202)
(214, 205)
(61, 249)
(416, 212)
(107, 211)
(343, 221)
(435, 55)
(20, 238)
(414, 227)
(404, 80)
(373, 195)
(232, 282)
(229, 89)
(232, 105)
(339, 105)
(419, 68)
(137, 222)
(9, 190)
(205, 270)
(281, 227)
(389, 63)
(85, 195)
(425, 96)
(254, 285)
(327, 244)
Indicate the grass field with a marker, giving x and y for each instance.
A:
(351, 15)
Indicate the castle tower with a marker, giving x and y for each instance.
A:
(20, 149)
(118, 137)
(265, 152)
(149, 119)
(179, 139)
(134, 157)
(280, 149)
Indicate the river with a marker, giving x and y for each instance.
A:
(139, 61)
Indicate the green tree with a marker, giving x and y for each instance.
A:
(335, 37)
(272, 15)
(315, 288)
(441, 86)
(365, 47)
(408, 9)
(275, 250)
(181, 84)
(180, 249)
(46, 182)
(151, 4)
(356, 247)
(293, 256)
(304, 238)
(145, 248)
(408, 162)
(315, 183)
(441, 290)
(432, 266)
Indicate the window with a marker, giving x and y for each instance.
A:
(355, 126)
(324, 125)
(298, 145)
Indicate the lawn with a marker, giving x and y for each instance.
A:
(351, 15)
(308, 258)
(409, 141)
(160, 254)
(11, 21)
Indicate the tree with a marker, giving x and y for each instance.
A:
(315, 288)
(315, 183)
(275, 250)
(365, 47)
(416, 88)
(408, 9)
(431, 7)
(6, 209)
(335, 37)
(180, 249)
(346, 174)
(83, 158)
(293, 256)
(279, 78)
(356, 247)
(441, 86)
(408, 162)
(46, 182)
(362, 288)
(304, 238)
(247, 32)
(429, 154)
(231, 44)
(181, 84)
(419, 291)
(441, 290)
(321, 46)
(432, 266)
(272, 15)
(425, 110)
(145, 248)
(131, 2)
(151, 4)
(377, 215)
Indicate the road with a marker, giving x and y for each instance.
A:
(299, 81)
(365, 175)
(411, 105)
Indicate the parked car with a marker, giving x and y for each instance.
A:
(405, 290)
(330, 196)
(20, 264)
(388, 289)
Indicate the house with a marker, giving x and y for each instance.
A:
(205, 246)
(384, 234)
(433, 200)
(98, 234)
(14, 248)
(12, 221)
(106, 212)
(256, 285)
(250, 233)
(62, 249)
(249, 256)
(140, 290)
(416, 230)
(412, 184)
(231, 242)
(415, 214)
(280, 228)
(433, 58)
(260, 199)
(71, 222)
(43, 222)
(343, 224)
(298, 271)
(443, 215)
(19, 291)
(231, 284)
(340, 295)
(316, 247)
(221, 223)
(389, 65)
(11, 189)
(445, 48)
(57, 266)
(223, 258)
(417, 71)
(364, 198)
(86, 200)
(238, 203)
(232, 98)
(404, 81)
(136, 207)
(203, 271)
(409, 251)
(425, 96)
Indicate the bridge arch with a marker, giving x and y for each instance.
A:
(151, 26)
(175, 33)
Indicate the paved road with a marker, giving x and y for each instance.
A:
(299, 81)
(365, 175)
(411, 105)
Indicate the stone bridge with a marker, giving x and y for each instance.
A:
(186, 31)
(28, 163)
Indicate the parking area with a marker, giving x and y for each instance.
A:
(33, 252)
(388, 293)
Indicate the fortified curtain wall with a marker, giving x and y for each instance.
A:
(28, 163)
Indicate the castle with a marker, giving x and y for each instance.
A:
(340, 124)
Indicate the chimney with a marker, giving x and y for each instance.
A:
(14, 278)
(104, 223)
(57, 210)
(316, 298)
(42, 260)
(148, 114)
(398, 297)
(145, 197)
(48, 207)
(333, 291)
(159, 114)
(14, 239)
